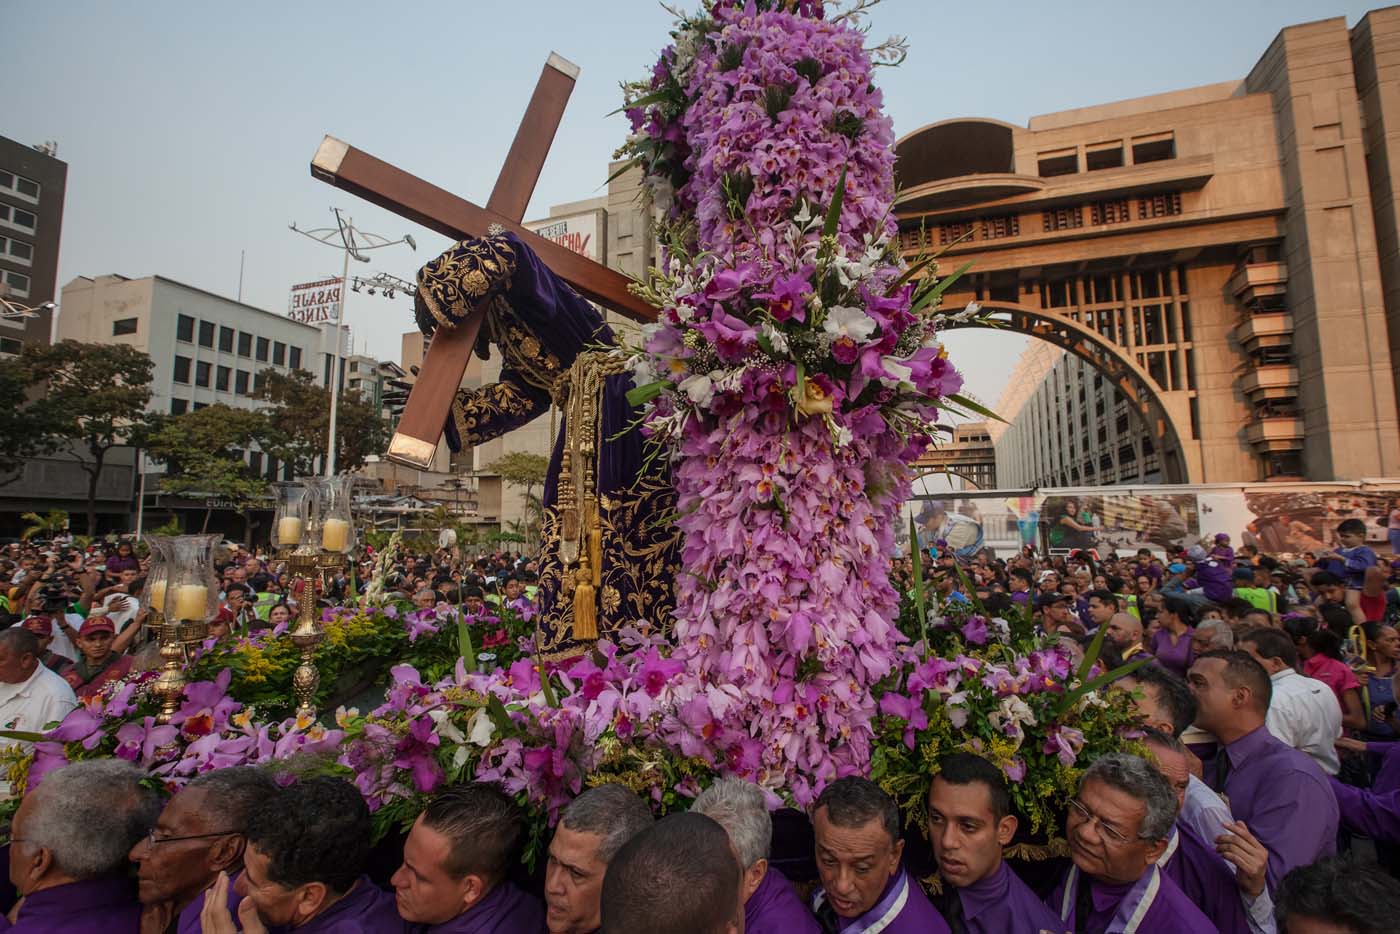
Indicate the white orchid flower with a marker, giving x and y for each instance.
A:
(700, 389)
(842, 321)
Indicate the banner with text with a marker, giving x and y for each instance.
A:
(315, 302)
(584, 233)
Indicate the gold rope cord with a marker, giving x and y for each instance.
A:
(578, 392)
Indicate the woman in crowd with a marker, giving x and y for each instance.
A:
(1382, 654)
(1172, 642)
(1320, 657)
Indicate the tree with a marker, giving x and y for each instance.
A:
(28, 428)
(45, 526)
(203, 452)
(97, 394)
(296, 423)
(523, 470)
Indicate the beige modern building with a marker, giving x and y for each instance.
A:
(1224, 259)
(967, 454)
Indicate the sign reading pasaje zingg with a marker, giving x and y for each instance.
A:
(315, 302)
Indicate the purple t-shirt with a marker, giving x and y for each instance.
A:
(1174, 658)
(93, 906)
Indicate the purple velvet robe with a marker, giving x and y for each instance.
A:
(1284, 799)
(1375, 813)
(1003, 903)
(365, 909)
(93, 906)
(1154, 904)
(506, 910)
(774, 908)
(902, 908)
(1205, 877)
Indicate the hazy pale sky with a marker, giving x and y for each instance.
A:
(188, 127)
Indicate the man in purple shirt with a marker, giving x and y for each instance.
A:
(679, 875)
(198, 835)
(455, 863)
(1279, 793)
(1118, 827)
(591, 830)
(68, 846)
(304, 867)
(770, 904)
(970, 821)
(865, 887)
(1213, 575)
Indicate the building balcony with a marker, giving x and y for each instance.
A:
(1280, 433)
(1274, 381)
(1254, 283)
(1265, 329)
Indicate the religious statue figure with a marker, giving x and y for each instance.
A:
(609, 548)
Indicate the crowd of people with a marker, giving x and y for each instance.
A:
(1266, 796)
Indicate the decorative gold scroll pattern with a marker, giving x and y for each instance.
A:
(485, 413)
(451, 285)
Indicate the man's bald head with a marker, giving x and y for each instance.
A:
(1124, 631)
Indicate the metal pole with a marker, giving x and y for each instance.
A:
(141, 496)
(335, 360)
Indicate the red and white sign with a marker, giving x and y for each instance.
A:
(315, 302)
(582, 233)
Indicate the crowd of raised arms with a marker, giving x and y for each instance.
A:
(1268, 798)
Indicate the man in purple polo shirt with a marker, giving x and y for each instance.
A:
(970, 821)
(455, 863)
(1281, 794)
(591, 830)
(304, 867)
(68, 846)
(1118, 827)
(198, 835)
(679, 876)
(770, 904)
(865, 887)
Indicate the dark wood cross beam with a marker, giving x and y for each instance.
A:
(430, 400)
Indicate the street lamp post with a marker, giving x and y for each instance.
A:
(355, 242)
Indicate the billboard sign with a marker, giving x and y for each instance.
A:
(315, 302)
(583, 233)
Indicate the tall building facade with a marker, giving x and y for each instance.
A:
(1224, 260)
(32, 185)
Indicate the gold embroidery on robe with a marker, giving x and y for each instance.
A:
(474, 410)
(450, 285)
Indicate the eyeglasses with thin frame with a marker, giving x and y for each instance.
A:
(153, 840)
(1108, 830)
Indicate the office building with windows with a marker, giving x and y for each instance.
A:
(1222, 263)
(205, 348)
(32, 184)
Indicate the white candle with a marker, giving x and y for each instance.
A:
(191, 602)
(335, 535)
(289, 530)
(158, 596)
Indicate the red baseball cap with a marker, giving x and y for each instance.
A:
(39, 625)
(96, 624)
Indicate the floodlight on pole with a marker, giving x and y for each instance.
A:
(355, 243)
(13, 311)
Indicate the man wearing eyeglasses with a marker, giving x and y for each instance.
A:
(199, 835)
(1118, 827)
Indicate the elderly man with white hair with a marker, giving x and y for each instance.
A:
(1212, 635)
(68, 846)
(770, 904)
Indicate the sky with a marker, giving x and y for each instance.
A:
(188, 127)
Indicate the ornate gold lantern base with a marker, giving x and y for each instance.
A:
(306, 566)
(174, 639)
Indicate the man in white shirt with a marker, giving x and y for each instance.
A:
(1303, 712)
(31, 696)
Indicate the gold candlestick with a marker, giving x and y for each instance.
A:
(305, 567)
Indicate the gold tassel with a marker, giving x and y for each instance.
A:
(595, 551)
(585, 608)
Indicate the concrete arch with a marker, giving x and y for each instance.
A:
(1163, 416)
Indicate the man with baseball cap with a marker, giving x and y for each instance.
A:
(101, 662)
(42, 627)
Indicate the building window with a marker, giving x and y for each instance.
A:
(179, 406)
(225, 339)
(245, 344)
(123, 326)
(184, 328)
(294, 358)
(18, 284)
(952, 233)
(1283, 464)
(206, 334)
(200, 405)
(1156, 148)
(262, 350)
(1061, 162)
(279, 353)
(1063, 218)
(995, 228)
(19, 185)
(17, 217)
(221, 379)
(255, 462)
(10, 347)
(17, 250)
(1163, 205)
(259, 380)
(201, 374)
(182, 370)
(1103, 156)
(240, 382)
(1109, 212)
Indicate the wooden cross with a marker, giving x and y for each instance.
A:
(430, 400)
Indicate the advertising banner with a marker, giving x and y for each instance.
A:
(315, 302)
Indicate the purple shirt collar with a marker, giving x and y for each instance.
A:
(1249, 745)
(365, 908)
(1129, 902)
(92, 906)
(890, 903)
(505, 910)
(986, 893)
(774, 907)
